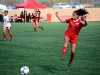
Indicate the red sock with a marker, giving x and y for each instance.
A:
(11, 35)
(39, 27)
(64, 49)
(71, 57)
(35, 28)
(4, 35)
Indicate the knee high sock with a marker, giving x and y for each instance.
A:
(64, 49)
(35, 28)
(71, 57)
(39, 27)
(11, 35)
(4, 35)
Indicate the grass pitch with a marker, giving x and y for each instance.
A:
(41, 50)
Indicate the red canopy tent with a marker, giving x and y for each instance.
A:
(30, 4)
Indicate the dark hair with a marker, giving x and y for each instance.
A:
(35, 9)
(6, 11)
(81, 12)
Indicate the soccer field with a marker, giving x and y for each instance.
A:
(41, 50)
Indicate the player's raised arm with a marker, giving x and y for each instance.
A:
(63, 21)
(83, 18)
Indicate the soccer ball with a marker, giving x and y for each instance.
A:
(24, 70)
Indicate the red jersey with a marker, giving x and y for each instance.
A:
(74, 27)
(35, 16)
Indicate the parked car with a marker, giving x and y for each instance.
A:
(76, 5)
(7, 6)
(2, 7)
(14, 5)
(62, 6)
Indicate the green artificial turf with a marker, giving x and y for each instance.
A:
(41, 50)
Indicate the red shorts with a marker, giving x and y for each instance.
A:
(73, 38)
(35, 22)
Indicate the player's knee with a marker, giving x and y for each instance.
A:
(39, 27)
(65, 44)
(10, 32)
(34, 26)
(4, 32)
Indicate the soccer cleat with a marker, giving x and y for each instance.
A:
(62, 58)
(4, 39)
(34, 30)
(69, 64)
(11, 39)
(42, 28)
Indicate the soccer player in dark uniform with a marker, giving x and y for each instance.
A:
(77, 21)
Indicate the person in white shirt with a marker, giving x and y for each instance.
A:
(6, 26)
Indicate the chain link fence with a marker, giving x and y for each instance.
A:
(50, 3)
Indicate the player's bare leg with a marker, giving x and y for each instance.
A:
(39, 26)
(34, 27)
(4, 34)
(10, 33)
(64, 48)
(73, 48)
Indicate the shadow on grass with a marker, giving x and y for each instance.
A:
(34, 31)
(50, 69)
(1, 40)
(29, 31)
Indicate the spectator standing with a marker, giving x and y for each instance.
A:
(39, 12)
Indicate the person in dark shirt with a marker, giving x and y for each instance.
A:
(39, 12)
(1, 17)
(21, 14)
(32, 16)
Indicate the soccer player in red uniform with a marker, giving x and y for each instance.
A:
(77, 21)
(35, 20)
